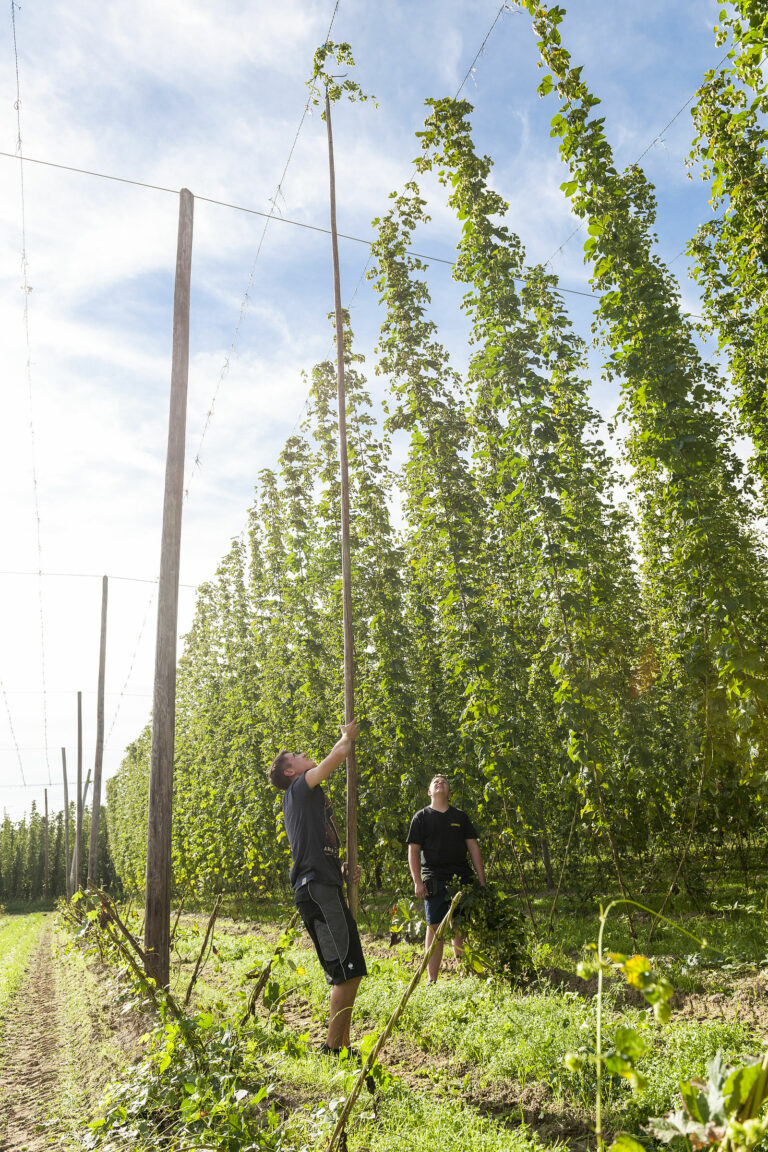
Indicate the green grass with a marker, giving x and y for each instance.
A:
(18, 938)
(403, 1118)
(507, 1036)
(493, 1041)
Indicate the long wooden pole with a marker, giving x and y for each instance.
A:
(47, 876)
(157, 908)
(346, 565)
(67, 884)
(80, 800)
(84, 801)
(93, 852)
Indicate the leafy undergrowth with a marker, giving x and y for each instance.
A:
(473, 1063)
(500, 1044)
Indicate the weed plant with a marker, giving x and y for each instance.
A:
(680, 1052)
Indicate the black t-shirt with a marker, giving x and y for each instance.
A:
(441, 837)
(312, 835)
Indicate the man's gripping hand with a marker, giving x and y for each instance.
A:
(339, 752)
(349, 733)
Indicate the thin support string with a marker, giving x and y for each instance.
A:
(279, 195)
(123, 692)
(469, 72)
(28, 377)
(659, 136)
(13, 733)
(504, 6)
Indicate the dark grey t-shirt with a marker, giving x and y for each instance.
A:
(442, 838)
(312, 835)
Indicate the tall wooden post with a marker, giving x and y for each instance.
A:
(47, 876)
(83, 802)
(93, 852)
(80, 800)
(157, 908)
(67, 884)
(346, 566)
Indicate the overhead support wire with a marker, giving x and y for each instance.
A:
(269, 216)
(88, 576)
(278, 219)
(13, 733)
(26, 288)
(659, 136)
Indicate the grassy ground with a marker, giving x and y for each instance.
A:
(59, 1044)
(474, 1063)
(488, 1057)
(18, 937)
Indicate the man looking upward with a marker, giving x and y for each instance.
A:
(317, 877)
(439, 839)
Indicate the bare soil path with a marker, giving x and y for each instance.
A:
(30, 1054)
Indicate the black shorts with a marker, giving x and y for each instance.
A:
(438, 902)
(334, 933)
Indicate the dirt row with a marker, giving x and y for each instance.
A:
(30, 1055)
(61, 1038)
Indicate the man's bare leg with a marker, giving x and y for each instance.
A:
(458, 946)
(436, 959)
(342, 1000)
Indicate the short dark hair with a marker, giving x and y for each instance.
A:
(277, 769)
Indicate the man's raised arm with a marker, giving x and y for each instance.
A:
(337, 754)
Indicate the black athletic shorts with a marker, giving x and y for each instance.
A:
(334, 933)
(438, 902)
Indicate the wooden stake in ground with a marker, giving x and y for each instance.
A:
(47, 876)
(93, 852)
(80, 799)
(67, 882)
(346, 567)
(157, 908)
(208, 933)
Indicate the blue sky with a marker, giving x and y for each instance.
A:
(209, 96)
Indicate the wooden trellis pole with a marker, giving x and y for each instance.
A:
(80, 798)
(47, 875)
(346, 567)
(83, 802)
(157, 906)
(93, 852)
(67, 882)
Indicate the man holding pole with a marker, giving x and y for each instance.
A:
(317, 877)
(439, 839)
